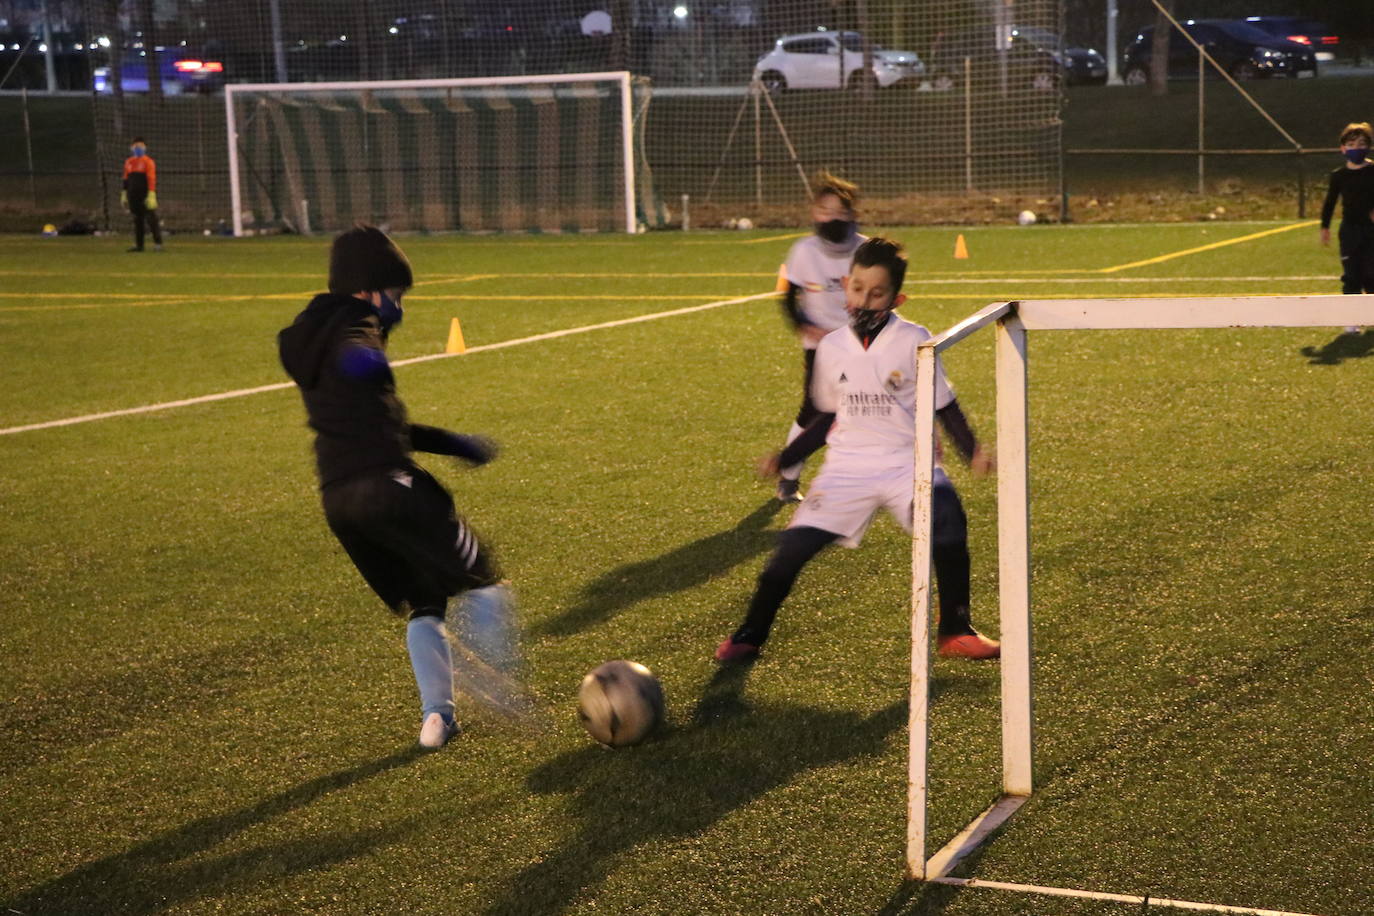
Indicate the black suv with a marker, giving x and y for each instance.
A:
(1243, 50)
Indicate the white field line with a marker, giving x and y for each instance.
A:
(1116, 898)
(280, 386)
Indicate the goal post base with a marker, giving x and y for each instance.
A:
(972, 836)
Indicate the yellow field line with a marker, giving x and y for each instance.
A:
(1214, 245)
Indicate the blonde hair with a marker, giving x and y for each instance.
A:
(1357, 129)
(846, 191)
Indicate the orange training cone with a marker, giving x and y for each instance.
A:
(455, 338)
(960, 249)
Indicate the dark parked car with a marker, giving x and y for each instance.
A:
(1027, 65)
(1081, 65)
(1243, 50)
(1309, 32)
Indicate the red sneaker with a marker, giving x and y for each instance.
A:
(731, 652)
(969, 645)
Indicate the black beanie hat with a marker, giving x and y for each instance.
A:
(364, 259)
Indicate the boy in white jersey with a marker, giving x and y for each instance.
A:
(864, 390)
(814, 298)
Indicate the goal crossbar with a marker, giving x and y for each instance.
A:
(1012, 321)
(622, 78)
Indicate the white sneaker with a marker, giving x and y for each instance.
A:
(436, 731)
(1353, 329)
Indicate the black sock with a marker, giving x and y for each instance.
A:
(796, 547)
(952, 580)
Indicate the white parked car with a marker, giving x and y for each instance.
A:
(831, 60)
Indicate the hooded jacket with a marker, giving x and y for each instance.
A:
(335, 353)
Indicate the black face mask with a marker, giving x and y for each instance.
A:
(867, 322)
(835, 230)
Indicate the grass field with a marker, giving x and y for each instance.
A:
(206, 711)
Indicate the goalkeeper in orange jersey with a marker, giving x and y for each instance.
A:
(139, 195)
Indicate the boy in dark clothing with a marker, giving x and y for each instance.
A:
(395, 521)
(139, 195)
(1353, 185)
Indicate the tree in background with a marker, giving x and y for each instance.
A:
(1159, 51)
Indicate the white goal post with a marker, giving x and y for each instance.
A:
(1013, 321)
(442, 98)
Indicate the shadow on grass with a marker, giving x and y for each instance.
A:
(108, 703)
(919, 898)
(680, 569)
(730, 754)
(168, 870)
(682, 783)
(1343, 347)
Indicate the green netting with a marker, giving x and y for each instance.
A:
(538, 157)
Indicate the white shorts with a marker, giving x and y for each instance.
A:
(844, 503)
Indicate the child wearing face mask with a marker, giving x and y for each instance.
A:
(139, 193)
(1353, 185)
(394, 520)
(814, 299)
(864, 391)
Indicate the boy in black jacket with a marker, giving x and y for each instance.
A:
(1353, 185)
(396, 522)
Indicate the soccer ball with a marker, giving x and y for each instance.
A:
(620, 703)
(744, 222)
(49, 231)
(1026, 218)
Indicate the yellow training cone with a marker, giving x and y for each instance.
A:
(782, 278)
(960, 249)
(455, 338)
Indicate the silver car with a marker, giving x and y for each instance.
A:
(832, 60)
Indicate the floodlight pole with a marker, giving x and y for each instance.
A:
(1113, 69)
(1201, 123)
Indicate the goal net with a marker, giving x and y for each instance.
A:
(1012, 322)
(537, 154)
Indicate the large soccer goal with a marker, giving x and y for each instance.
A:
(1012, 322)
(529, 153)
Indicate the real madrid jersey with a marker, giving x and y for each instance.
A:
(872, 393)
(819, 268)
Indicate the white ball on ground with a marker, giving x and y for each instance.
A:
(205, 232)
(744, 222)
(620, 703)
(731, 223)
(1026, 218)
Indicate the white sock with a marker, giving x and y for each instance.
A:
(427, 642)
(793, 472)
(485, 618)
